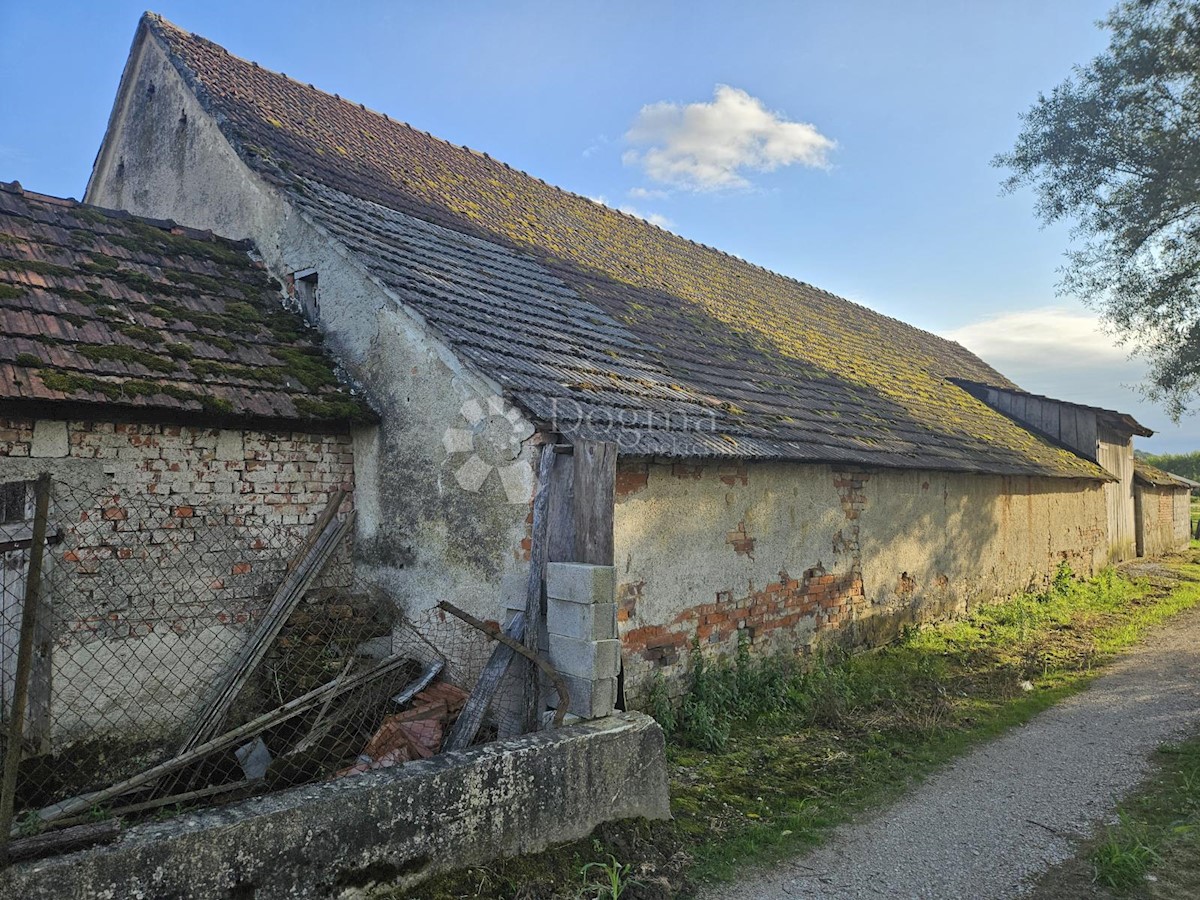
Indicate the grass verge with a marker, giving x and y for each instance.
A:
(766, 755)
(1152, 850)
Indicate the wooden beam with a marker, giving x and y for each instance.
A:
(289, 710)
(25, 650)
(306, 564)
(466, 726)
(595, 464)
(534, 585)
(509, 640)
(54, 842)
(560, 530)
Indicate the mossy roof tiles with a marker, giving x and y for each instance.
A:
(101, 309)
(600, 322)
(1148, 474)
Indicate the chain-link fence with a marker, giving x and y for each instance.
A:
(180, 654)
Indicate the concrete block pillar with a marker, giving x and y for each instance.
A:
(581, 625)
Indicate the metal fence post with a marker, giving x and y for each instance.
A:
(16, 716)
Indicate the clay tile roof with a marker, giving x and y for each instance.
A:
(602, 324)
(1148, 474)
(106, 309)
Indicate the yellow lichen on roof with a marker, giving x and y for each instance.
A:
(675, 295)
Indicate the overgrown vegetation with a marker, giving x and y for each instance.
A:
(767, 754)
(1152, 849)
(1158, 829)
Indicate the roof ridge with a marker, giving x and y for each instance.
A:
(161, 23)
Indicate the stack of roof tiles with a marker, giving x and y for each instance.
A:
(601, 323)
(101, 307)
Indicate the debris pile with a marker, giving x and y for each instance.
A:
(416, 733)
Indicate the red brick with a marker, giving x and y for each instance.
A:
(631, 478)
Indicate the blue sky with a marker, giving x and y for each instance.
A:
(850, 146)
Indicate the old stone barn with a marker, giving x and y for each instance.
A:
(757, 459)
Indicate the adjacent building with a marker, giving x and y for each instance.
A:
(193, 428)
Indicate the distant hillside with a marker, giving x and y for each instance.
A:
(1185, 464)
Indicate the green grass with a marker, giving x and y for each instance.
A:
(1158, 829)
(766, 755)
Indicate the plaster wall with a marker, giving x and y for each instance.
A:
(778, 553)
(422, 535)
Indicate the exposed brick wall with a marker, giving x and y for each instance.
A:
(778, 554)
(777, 615)
(174, 539)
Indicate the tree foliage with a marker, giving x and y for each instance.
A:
(1185, 464)
(1116, 149)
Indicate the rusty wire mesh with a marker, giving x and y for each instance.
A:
(147, 602)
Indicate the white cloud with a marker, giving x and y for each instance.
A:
(708, 146)
(652, 217)
(641, 193)
(1054, 336)
(1066, 353)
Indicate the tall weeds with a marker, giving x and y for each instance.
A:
(915, 682)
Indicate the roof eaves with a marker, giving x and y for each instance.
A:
(1112, 418)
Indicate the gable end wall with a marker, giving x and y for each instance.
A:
(421, 536)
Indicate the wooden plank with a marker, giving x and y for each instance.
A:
(289, 710)
(327, 515)
(534, 585)
(1089, 434)
(466, 726)
(595, 465)
(53, 842)
(304, 568)
(560, 527)
(214, 790)
(1068, 430)
(16, 719)
(1052, 417)
(513, 642)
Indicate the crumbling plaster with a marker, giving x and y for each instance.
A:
(421, 536)
(865, 553)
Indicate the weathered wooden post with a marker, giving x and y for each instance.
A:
(29, 616)
(581, 616)
(595, 492)
(533, 590)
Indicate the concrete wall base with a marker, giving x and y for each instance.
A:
(396, 826)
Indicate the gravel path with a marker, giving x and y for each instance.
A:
(988, 823)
